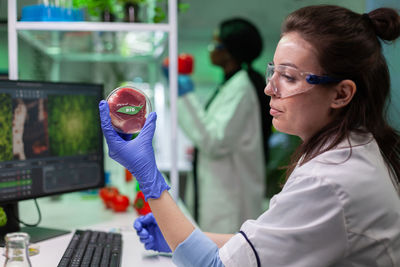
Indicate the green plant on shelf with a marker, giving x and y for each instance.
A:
(133, 2)
(160, 12)
(159, 7)
(97, 8)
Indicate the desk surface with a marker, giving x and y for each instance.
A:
(83, 211)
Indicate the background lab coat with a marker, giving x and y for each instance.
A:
(231, 171)
(333, 211)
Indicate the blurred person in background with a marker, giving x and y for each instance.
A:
(230, 133)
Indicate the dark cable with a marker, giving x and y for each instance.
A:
(28, 224)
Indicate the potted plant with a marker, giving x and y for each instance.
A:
(159, 12)
(132, 8)
(108, 9)
(103, 9)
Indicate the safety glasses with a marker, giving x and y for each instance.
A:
(284, 81)
(215, 46)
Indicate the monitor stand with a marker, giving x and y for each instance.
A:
(36, 233)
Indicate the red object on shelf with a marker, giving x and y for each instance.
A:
(185, 63)
(128, 176)
(141, 206)
(120, 203)
(107, 194)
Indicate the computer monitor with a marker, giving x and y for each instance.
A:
(50, 143)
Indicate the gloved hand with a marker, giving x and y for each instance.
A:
(185, 83)
(149, 233)
(125, 136)
(136, 155)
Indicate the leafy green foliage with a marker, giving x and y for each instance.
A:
(160, 12)
(183, 7)
(6, 152)
(132, 1)
(96, 7)
(73, 125)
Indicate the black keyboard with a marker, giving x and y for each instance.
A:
(93, 249)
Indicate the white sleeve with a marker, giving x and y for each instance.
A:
(238, 252)
(304, 227)
(216, 132)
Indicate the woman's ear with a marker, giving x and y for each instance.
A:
(344, 93)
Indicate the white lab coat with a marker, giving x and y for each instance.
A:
(231, 171)
(335, 210)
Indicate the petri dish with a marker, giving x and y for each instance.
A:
(129, 108)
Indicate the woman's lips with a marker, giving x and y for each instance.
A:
(274, 112)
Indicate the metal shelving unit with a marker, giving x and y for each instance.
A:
(170, 28)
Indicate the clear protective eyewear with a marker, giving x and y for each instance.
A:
(215, 46)
(284, 81)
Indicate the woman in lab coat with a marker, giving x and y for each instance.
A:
(230, 133)
(329, 83)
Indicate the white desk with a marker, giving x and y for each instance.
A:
(79, 211)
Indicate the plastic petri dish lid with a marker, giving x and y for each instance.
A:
(129, 108)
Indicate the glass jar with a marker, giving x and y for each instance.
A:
(17, 250)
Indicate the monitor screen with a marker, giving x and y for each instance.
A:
(50, 139)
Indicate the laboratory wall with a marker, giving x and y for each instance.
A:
(3, 49)
(392, 54)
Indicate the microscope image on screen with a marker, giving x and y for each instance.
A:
(59, 125)
(30, 134)
(6, 148)
(50, 138)
(73, 124)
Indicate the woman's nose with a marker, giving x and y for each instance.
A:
(270, 88)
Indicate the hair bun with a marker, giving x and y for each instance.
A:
(386, 22)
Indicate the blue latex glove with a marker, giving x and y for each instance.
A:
(185, 83)
(149, 233)
(125, 136)
(136, 155)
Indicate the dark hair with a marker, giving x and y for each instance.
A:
(243, 41)
(349, 46)
(241, 38)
